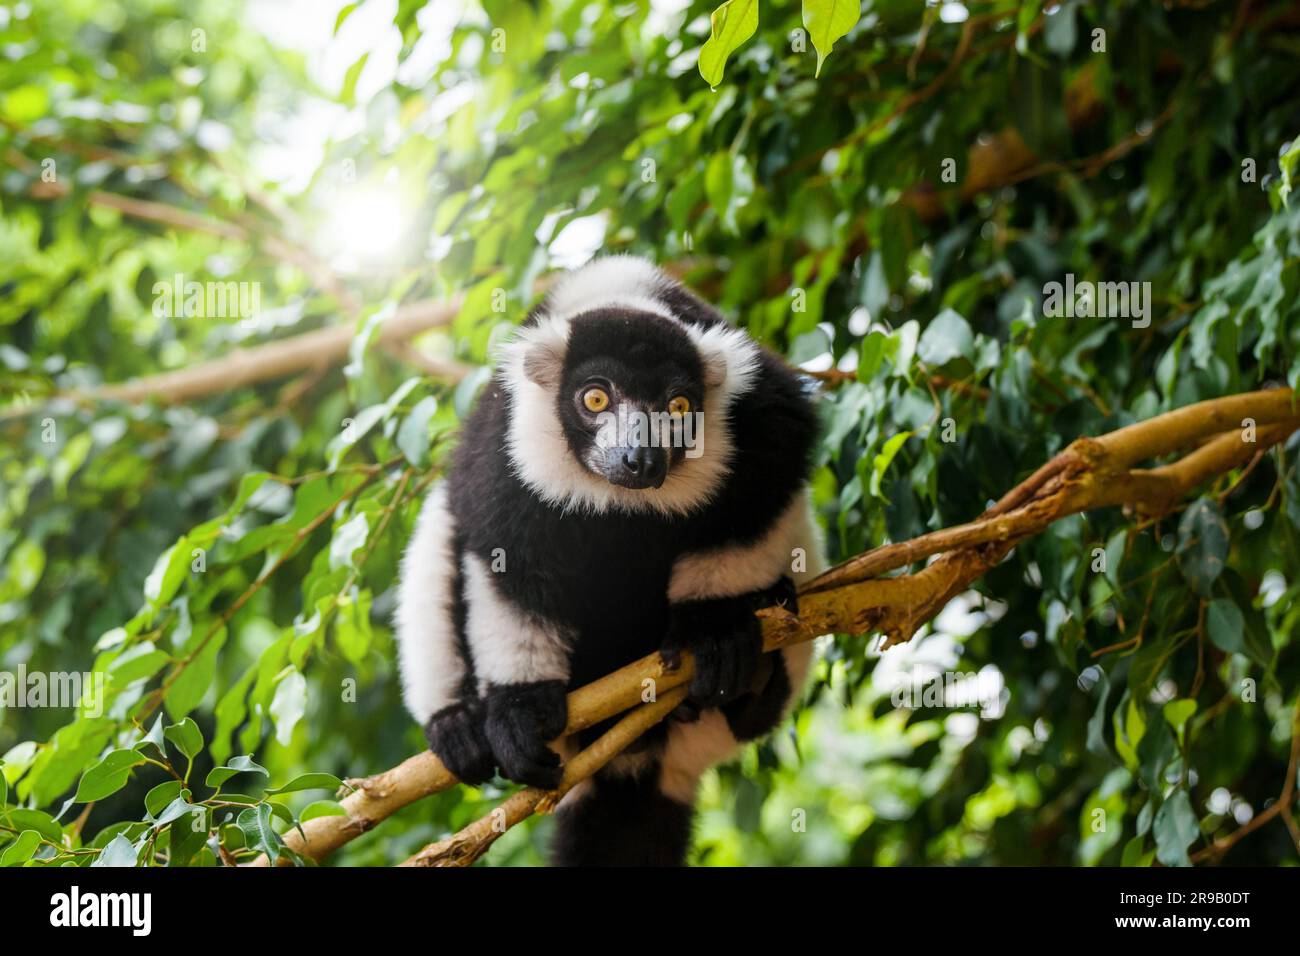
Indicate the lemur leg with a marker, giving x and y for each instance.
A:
(437, 679)
(522, 663)
(621, 819)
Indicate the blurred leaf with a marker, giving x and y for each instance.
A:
(1202, 545)
(1175, 830)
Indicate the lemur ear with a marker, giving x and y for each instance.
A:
(544, 364)
(729, 357)
(715, 367)
(536, 353)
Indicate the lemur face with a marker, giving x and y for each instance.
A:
(619, 393)
(630, 390)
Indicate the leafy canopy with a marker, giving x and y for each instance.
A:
(893, 209)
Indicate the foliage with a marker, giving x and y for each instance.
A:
(227, 566)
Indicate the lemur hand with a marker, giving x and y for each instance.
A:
(520, 719)
(726, 639)
(456, 737)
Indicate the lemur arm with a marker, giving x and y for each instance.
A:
(522, 663)
(714, 595)
(437, 675)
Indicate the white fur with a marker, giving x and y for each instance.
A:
(692, 749)
(730, 570)
(431, 666)
(509, 646)
(626, 281)
(538, 451)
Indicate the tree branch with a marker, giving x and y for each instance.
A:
(852, 599)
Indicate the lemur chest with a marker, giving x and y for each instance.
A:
(611, 593)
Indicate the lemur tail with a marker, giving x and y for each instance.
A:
(621, 821)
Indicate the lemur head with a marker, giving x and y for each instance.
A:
(620, 386)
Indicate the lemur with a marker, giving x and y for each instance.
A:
(562, 545)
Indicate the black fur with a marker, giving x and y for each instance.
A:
(622, 821)
(726, 640)
(520, 719)
(753, 715)
(604, 577)
(456, 734)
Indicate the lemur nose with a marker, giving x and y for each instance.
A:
(644, 463)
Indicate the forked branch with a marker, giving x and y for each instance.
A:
(1226, 433)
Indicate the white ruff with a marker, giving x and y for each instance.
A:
(625, 281)
(539, 453)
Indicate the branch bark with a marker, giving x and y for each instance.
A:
(853, 599)
(308, 350)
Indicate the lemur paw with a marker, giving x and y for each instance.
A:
(784, 592)
(520, 719)
(456, 737)
(726, 640)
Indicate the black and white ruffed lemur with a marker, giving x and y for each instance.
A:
(557, 550)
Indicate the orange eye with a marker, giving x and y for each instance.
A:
(679, 405)
(595, 399)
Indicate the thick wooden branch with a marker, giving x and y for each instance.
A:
(470, 843)
(307, 350)
(853, 599)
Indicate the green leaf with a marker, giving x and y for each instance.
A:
(881, 462)
(347, 538)
(1225, 626)
(946, 338)
(25, 105)
(903, 344)
(1175, 830)
(288, 705)
(22, 849)
(309, 781)
(108, 776)
(871, 355)
(827, 21)
(1059, 29)
(1096, 733)
(352, 629)
(26, 565)
(119, 852)
(17, 759)
(244, 764)
(174, 811)
(729, 184)
(168, 574)
(348, 93)
(193, 682)
(731, 25)
(1136, 854)
(1178, 713)
(154, 738)
(356, 429)
(186, 736)
(160, 797)
(255, 823)
(137, 663)
(1202, 548)
(21, 818)
(413, 435)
